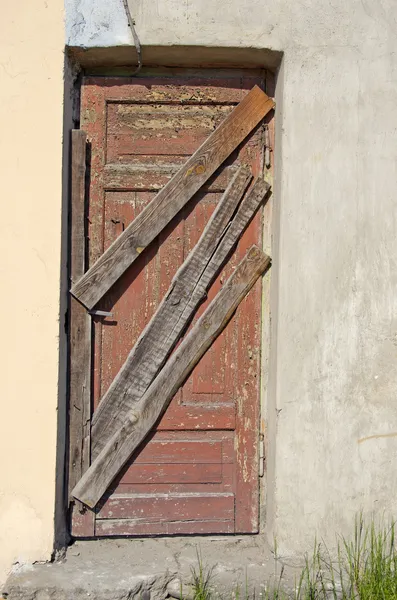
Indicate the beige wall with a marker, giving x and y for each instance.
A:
(31, 116)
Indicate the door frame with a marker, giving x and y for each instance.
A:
(79, 428)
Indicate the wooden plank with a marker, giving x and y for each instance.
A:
(204, 162)
(153, 277)
(181, 452)
(79, 320)
(187, 290)
(185, 449)
(117, 527)
(159, 129)
(177, 507)
(227, 484)
(173, 473)
(154, 402)
(80, 341)
(244, 214)
(190, 417)
(174, 90)
(162, 332)
(138, 175)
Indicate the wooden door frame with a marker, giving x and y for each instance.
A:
(80, 324)
(80, 342)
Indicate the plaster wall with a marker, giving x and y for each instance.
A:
(331, 409)
(31, 118)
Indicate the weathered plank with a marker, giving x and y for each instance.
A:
(162, 332)
(118, 527)
(185, 130)
(203, 416)
(176, 506)
(188, 289)
(173, 473)
(161, 451)
(156, 174)
(80, 340)
(187, 181)
(154, 402)
(242, 218)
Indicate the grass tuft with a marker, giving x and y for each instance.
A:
(364, 568)
(202, 577)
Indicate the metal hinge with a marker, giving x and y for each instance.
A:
(100, 313)
(261, 455)
(267, 147)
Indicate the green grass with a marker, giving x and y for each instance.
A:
(364, 568)
(369, 562)
(202, 577)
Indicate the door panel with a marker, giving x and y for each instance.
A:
(198, 470)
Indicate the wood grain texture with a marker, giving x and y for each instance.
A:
(141, 419)
(174, 506)
(174, 313)
(169, 453)
(203, 416)
(80, 341)
(214, 399)
(177, 473)
(181, 452)
(156, 174)
(132, 129)
(187, 181)
(119, 527)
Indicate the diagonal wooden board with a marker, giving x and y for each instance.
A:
(162, 332)
(174, 195)
(152, 405)
(187, 290)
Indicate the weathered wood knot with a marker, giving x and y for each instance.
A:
(253, 252)
(196, 170)
(132, 418)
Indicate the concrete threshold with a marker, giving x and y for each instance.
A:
(148, 569)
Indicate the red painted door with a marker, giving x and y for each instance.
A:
(198, 471)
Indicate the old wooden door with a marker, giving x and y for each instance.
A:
(198, 471)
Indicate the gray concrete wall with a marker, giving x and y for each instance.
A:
(332, 401)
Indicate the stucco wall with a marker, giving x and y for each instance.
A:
(31, 116)
(332, 410)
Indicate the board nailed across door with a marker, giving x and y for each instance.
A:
(197, 472)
